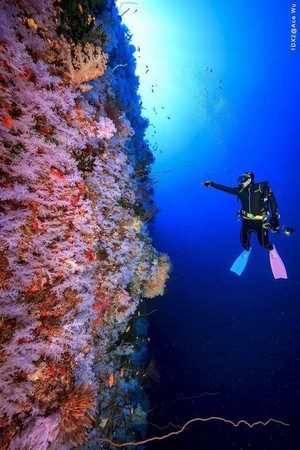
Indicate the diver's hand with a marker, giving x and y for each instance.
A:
(206, 183)
(274, 223)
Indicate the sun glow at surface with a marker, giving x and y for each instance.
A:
(175, 54)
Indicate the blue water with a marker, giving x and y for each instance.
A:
(225, 345)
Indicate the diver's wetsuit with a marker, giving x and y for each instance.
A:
(256, 199)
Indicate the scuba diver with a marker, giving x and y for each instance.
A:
(258, 204)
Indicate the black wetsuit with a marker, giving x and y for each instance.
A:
(256, 199)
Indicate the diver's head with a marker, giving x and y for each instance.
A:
(245, 179)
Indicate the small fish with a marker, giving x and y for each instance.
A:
(111, 380)
(32, 24)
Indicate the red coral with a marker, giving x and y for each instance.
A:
(57, 173)
(90, 255)
(7, 121)
(27, 74)
(34, 225)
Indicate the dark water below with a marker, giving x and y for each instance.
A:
(226, 346)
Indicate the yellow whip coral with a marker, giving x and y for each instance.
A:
(77, 414)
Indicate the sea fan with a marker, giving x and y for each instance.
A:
(84, 64)
(155, 286)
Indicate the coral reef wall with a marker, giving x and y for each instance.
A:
(76, 258)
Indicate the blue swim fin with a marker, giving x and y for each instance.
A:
(240, 263)
(277, 265)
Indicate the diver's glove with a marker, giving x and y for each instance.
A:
(206, 183)
(274, 223)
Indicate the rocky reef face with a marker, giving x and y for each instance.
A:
(76, 258)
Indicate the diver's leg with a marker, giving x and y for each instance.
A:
(240, 263)
(276, 263)
(263, 236)
(245, 234)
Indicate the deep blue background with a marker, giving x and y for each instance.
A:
(231, 342)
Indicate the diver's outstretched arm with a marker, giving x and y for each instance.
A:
(221, 187)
